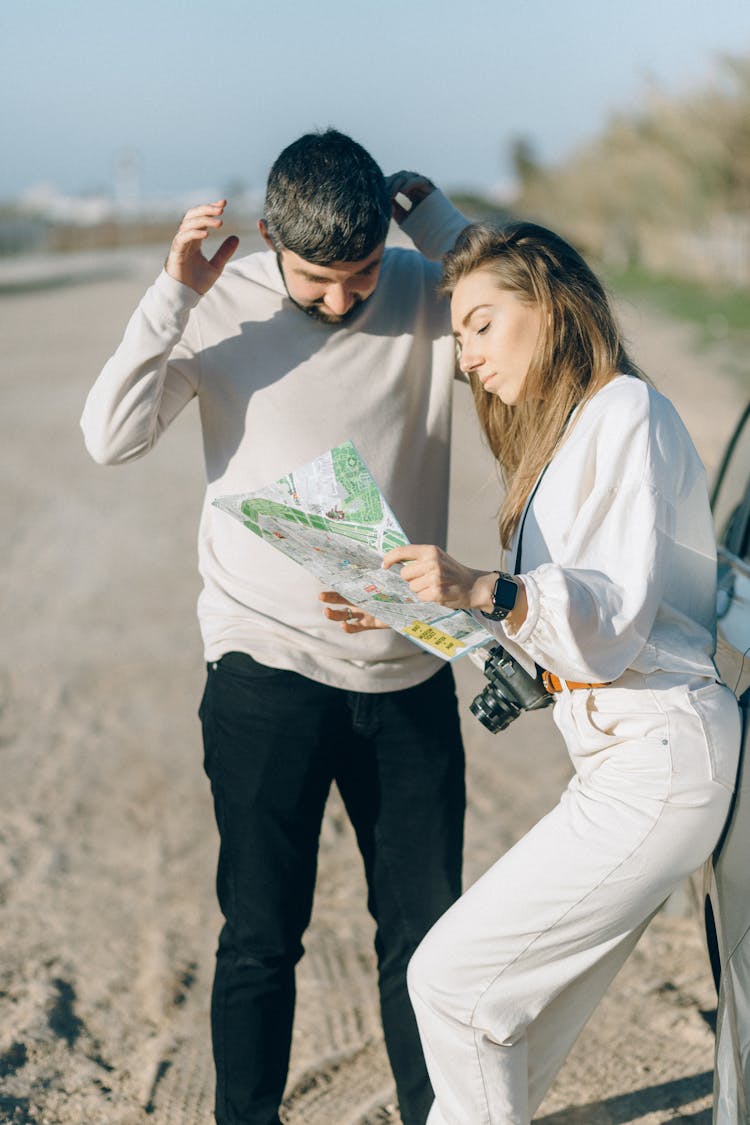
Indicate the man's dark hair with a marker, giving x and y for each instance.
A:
(326, 200)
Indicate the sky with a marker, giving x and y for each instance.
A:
(201, 97)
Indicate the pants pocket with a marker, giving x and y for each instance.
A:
(718, 713)
(605, 718)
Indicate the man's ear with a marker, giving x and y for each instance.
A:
(263, 232)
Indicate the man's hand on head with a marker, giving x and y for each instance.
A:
(186, 261)
(407, 190)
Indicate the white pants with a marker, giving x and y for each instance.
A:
(504, 982)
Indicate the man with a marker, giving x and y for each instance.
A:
(326, 337)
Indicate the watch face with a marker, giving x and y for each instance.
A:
(503, 598)
(505, 593)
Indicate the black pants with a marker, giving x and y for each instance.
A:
(274, 741)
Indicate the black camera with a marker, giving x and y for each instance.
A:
(510, 691)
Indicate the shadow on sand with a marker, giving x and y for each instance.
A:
(631, 1107)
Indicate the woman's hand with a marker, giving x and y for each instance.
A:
(351, 618)
(436, 577)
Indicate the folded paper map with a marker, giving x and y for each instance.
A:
(330, 517)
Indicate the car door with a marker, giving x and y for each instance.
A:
(731, 508)
(727, 873)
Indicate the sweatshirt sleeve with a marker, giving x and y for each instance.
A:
(150, 378)
(434, 225)
(592, 610)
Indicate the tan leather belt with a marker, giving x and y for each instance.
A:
(553, 683)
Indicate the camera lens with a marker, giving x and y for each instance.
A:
(493, 710)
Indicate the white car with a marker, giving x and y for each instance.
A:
(727, 873)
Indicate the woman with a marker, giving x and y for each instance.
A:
(608, 531)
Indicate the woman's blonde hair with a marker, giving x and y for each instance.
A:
(580, 347)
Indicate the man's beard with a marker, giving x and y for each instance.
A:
(316, 312)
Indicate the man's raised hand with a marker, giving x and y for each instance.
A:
(407, 190)
(186, 261)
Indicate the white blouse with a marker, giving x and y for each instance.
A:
(618, 550)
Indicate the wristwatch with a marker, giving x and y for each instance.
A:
(503, 597)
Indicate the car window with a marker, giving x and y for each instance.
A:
(731, 497)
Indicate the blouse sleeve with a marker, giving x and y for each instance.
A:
(592, 609)
(589, 622)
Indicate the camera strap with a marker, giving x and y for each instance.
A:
(539, 479)
(552, 683)
(527, 505)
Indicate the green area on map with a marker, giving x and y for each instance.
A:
(359, 515)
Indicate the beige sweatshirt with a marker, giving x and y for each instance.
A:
(276, 388)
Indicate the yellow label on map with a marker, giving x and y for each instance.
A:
(433, 637)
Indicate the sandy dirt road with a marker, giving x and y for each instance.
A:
(107, 841)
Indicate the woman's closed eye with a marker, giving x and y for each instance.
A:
(481, 331)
